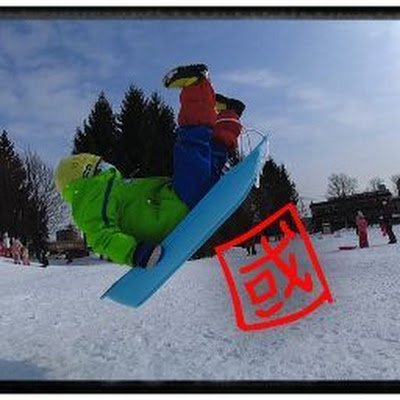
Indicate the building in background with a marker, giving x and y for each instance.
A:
(329, 216)
(69, 242)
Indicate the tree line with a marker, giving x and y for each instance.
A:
(342, 185)
(139, 140)
(30, 206)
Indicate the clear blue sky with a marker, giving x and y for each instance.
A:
(328, 91)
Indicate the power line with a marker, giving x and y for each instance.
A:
(313, 198)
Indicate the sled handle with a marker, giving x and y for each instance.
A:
(246, 133)
(258, 132)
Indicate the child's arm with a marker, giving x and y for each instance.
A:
(96, 214)
(98, 211)
(111, 242)
(120, 247)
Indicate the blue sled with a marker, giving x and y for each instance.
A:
(137, 285)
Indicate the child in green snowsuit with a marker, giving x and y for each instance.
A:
(126, 220)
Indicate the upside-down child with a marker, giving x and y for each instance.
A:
(126, 220)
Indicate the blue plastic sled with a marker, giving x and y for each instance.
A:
(137, 285)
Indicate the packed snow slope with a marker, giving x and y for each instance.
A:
(54, 326)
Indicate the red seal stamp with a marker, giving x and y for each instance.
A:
(284, 283)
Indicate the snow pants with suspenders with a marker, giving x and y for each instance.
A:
(198, 157)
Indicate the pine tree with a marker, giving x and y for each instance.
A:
(166, 129)
(275, 191)
(239, 222)
(276, 188)
(83, 143)
(34, 228)
(139, 141)
(22, 213)
(12, 187)
(99, 131)
(131, 137)
(159, 128)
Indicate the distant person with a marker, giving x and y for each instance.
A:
(251, 246)
(44, 259)
(69, 258)
(7, 245)
(16, 248)
(387, 221)
(362, 229)
(25, 256)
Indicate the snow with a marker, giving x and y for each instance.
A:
(54, 326)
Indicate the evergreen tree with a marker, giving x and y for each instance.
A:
(99, 131)
(131, 134)
(276, 188)
(275, 191)
(83, 143)
(166, 129)
(159, 128)
(22, 213)
(139, 141)
(12, 188)
(34, 228)
(239, 222)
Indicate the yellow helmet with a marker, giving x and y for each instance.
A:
(75, 167)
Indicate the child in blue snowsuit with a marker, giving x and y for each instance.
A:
(205, 137)
(208, 130)
(125, 221)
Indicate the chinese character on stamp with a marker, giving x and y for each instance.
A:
(284, 283)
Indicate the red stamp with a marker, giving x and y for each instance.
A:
(284, 284)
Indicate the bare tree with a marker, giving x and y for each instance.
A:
(341, 185)
(41, 179)
(303, 209)
(375, 184)
(395, 179)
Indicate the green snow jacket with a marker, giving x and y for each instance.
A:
(116, 214)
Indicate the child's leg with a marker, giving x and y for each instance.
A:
(219, 157)
(224, 141)
(192, 164)
(197, 105)
(192, 154)
(204, 139)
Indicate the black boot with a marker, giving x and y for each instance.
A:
(392, 236)
(225, 103)
(185, 75)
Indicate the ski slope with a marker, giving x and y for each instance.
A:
(54, 326)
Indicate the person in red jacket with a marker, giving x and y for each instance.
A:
(362, 229)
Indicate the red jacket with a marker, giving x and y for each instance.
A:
(362, 224)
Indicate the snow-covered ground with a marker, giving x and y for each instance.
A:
(54, 326)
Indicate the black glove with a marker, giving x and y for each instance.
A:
(147, 255)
